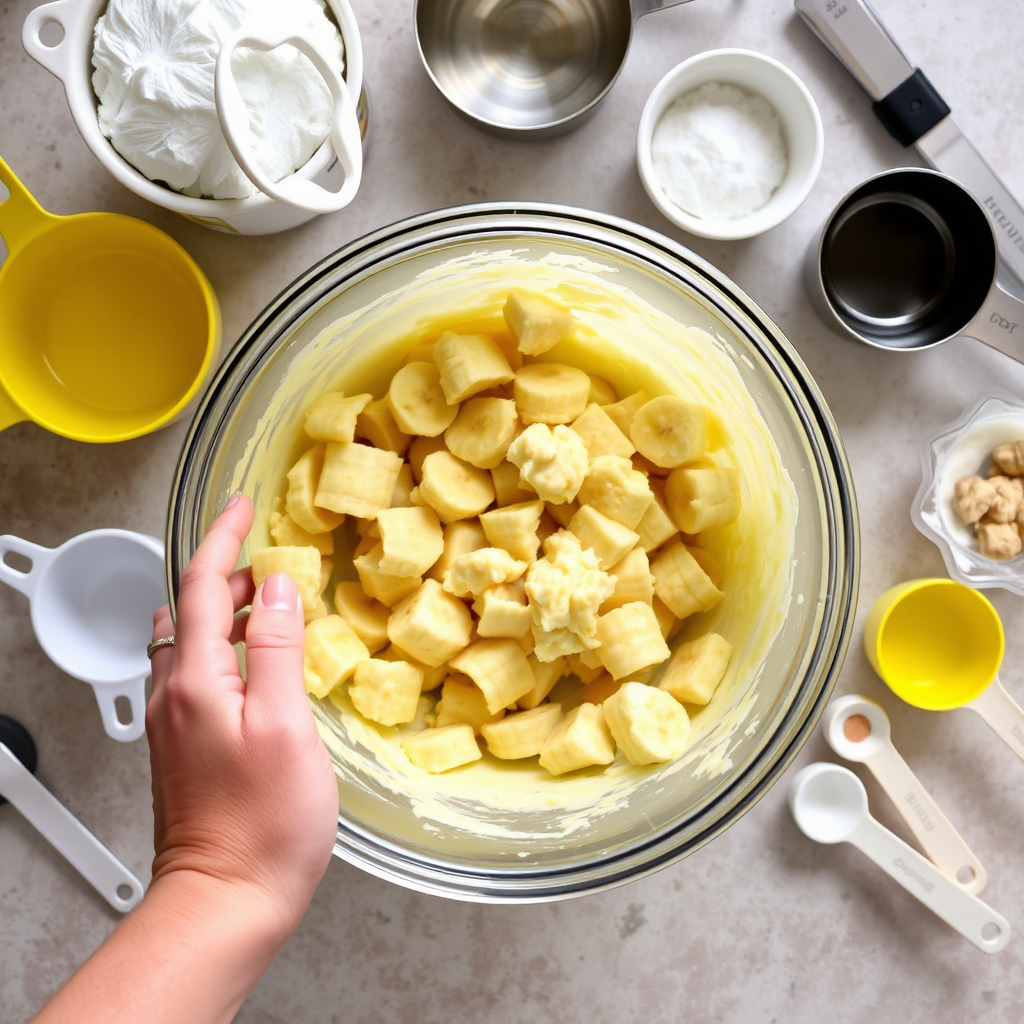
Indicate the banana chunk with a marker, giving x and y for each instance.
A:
(649, 726)
(696, 668)
(430, 624)
(502, 610)
(301, 563)
(537, 322)
(285, 532)
(482, 431)
(614, 487)
(581, 739)
(357, 479)
(377, 424)
(382, 586)
(468, 364)
(475, 571)
(550, 393)
(669, 431)
(300, 498)
(701, 497)
(630, 639)
(522, 734)
(386, 692)
(499, 667)
(514, 528)
(681, 582)
(411, 540)
(417, 400)
(551, 460)
(367, 616)
(609, 540)
(463, 701)
(453, 488)
(601, 434)
(332, 417)
(440, 750)
(331, 653)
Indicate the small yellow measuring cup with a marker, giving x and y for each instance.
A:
(938, 644)
(108, 328)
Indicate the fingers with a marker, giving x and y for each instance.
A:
(210, 591)
(163, 657)
(273, 650)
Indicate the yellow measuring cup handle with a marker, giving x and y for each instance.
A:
(9, 412)
(21, 217)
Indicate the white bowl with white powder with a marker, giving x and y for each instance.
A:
(729, 144)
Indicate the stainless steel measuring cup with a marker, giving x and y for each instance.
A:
(907, 260)
(527, 68)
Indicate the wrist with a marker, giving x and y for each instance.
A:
(195, 899)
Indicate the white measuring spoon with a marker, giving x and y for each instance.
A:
(97, 865)
(830, 805)
(858, 729)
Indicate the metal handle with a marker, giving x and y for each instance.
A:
(642, 7)
(854, 33)
(97, 865)
(1000, 323)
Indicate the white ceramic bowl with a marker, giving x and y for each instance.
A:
(59, 36)
(959, 450)
(753, 73)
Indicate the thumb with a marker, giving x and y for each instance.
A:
(274, 640)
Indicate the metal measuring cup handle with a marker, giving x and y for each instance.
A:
(267, 34)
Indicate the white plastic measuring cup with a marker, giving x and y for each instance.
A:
(84, 852)
(830, 805)
(858, 729)
(93, 600)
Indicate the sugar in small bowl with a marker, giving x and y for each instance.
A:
(729, 144)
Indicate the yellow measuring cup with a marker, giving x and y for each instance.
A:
(938, 644)
(107, 326)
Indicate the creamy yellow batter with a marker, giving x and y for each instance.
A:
(624, 339)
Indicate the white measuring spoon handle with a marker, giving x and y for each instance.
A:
(97, 865)
(933, 829)
(974, 920)
(1003, 714)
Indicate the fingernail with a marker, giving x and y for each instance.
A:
(233, 500)
(280, 592)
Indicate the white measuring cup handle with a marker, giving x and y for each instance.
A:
(974, 920)
(234, 119)
(73, 20)
(39, 556)
(96, 864)
(933, 829)
(1002, 714)
(134, 692)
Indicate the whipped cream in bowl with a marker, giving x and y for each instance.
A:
(210, 109)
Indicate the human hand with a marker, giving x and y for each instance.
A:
(243, 789)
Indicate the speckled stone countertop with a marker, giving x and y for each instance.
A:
(761, 925)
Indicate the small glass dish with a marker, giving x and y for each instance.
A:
(961, 449)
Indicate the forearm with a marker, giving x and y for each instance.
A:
(191, 951)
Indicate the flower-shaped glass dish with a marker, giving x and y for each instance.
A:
(962, 449)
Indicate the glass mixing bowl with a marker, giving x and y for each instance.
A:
(348, 310)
